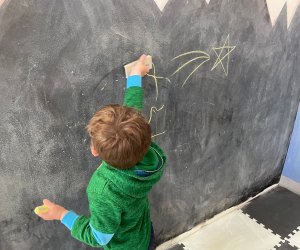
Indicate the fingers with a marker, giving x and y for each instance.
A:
(143, 67)
(48, 203)
(147, 70)
(50, 211)
(140, 67)
(142, 58)
(43, 216)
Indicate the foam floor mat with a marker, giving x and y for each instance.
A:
(269, 222)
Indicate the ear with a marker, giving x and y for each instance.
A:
(93, 150)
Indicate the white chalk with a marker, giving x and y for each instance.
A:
(129, 66)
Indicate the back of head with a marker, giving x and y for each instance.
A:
(120, 135)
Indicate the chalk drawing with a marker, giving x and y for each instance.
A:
(154, 109)
(203, 55)
(104, 86)
(194, 71)
(219, 60)
(191, 52)
(188, 62)
(155, 77)
(159, 134)
(210, 103)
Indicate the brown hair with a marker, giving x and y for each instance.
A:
(120, 135)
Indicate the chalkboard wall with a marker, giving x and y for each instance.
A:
(225, 126)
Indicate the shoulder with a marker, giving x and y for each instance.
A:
(97, 182)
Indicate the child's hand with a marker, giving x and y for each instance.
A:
(140, 67)
(56, 212)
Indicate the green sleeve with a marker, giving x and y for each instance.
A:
(82, 231)
(134, 98)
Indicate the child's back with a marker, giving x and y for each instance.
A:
(118, 201)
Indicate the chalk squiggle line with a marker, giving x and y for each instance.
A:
(207, 57)
(191, 52)
(155, 80)
(194, 71)
(159, 134)
(154, 109)
(188, 62)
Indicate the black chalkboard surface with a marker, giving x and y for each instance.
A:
(222, 102)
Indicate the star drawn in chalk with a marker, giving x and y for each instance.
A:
(220, 55)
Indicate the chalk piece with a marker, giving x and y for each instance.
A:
(41, 210)
(129, 66)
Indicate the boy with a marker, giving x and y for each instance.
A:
(117, 192)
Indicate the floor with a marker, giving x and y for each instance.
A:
(270, 221)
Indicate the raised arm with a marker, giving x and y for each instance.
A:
(134, 94)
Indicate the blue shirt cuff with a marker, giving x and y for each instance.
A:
(69, 219)
(134, 81)
(101, 238)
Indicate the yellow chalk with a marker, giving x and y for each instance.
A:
(41, 210)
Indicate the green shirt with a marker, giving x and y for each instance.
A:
(118, 199)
